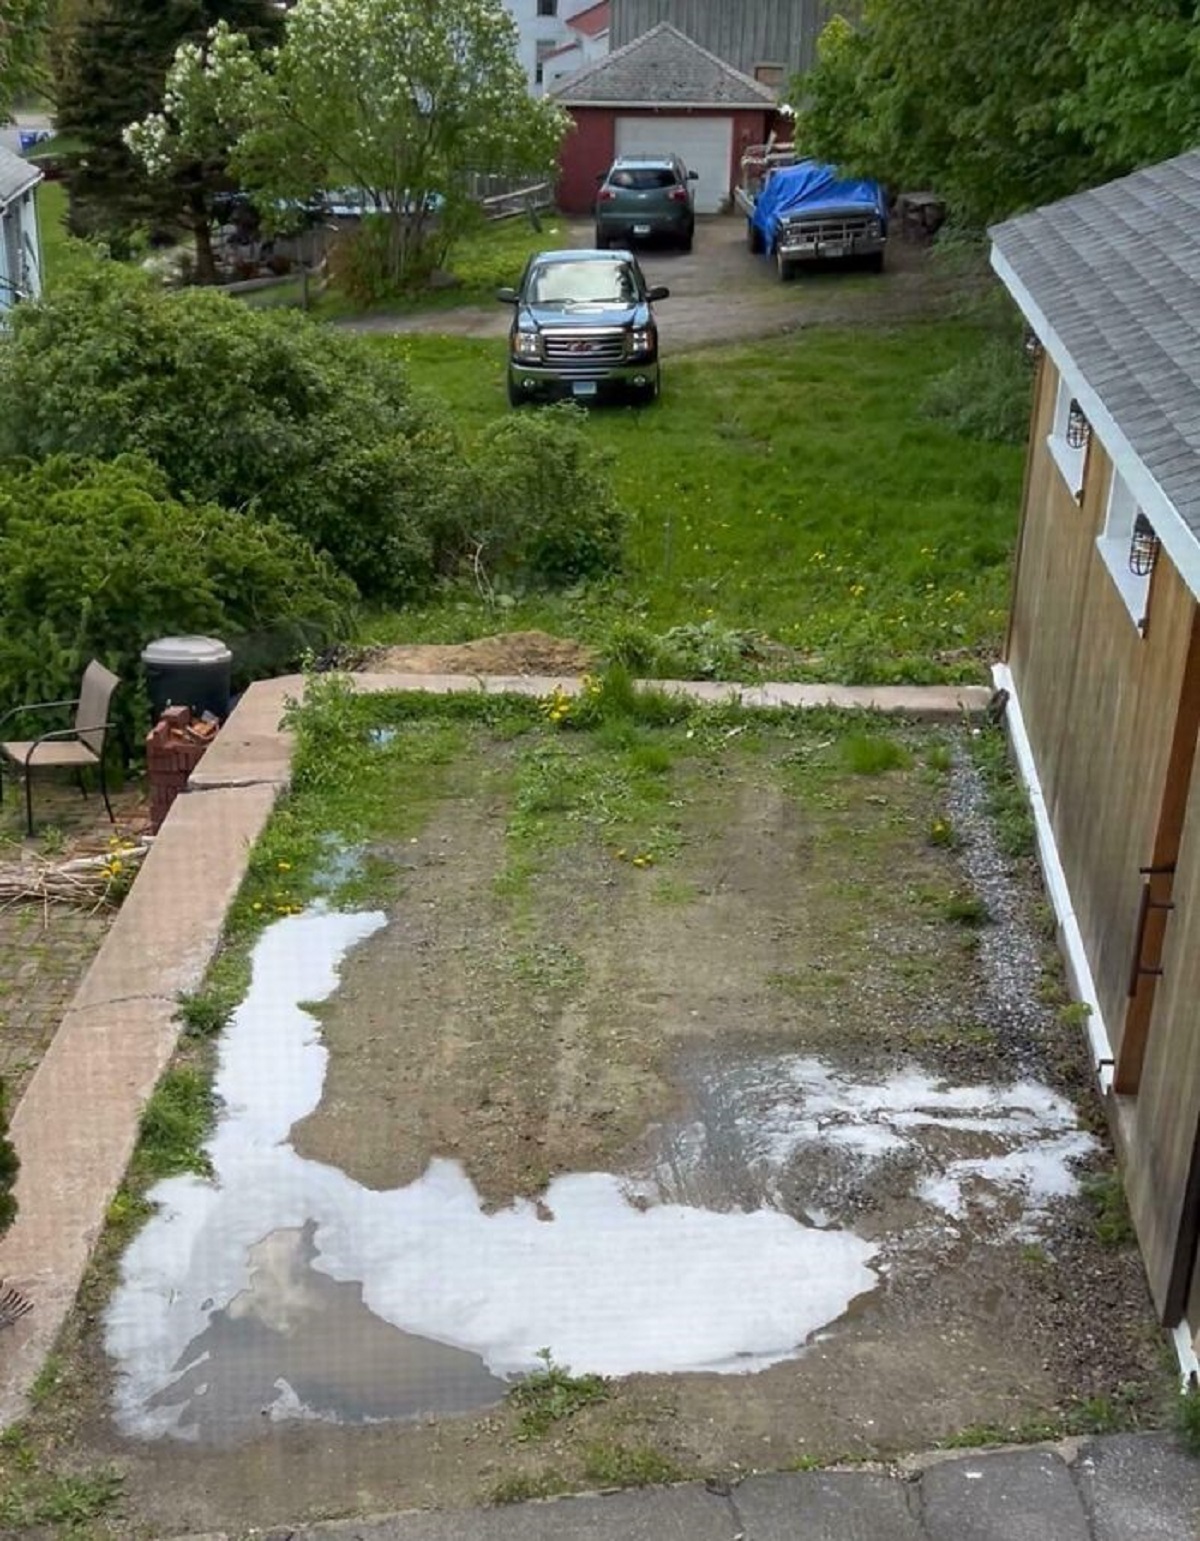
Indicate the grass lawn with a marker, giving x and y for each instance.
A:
(481, 263)
(792, 489)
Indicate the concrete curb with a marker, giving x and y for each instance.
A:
(76, 1126)
(1122, 1487)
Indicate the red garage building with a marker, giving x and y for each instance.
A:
(660, 93)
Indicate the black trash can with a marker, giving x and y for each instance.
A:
(188, 671)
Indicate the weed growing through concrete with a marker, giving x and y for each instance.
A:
(610, 1464)
(550, 1394)
(520, 1487)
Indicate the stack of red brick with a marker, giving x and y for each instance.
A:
(174, 747)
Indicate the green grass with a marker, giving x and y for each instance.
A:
(791, 489)
(60, 252)
(547, 1396)
(614, 1465)
(482, 263)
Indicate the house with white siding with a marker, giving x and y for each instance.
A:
(20, 246)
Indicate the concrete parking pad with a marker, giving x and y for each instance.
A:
(1013, 1495)
(827, 1506)
(1140, 1485)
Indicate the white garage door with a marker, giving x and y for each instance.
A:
(704, 145)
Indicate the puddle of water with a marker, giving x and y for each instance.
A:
(607, 1283)
(283, 1289)
(798, 1133)
(295, 1343)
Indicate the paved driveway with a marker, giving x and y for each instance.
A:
(721, 293)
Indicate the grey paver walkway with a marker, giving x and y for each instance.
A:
(75, 1127)
(1122, 1488)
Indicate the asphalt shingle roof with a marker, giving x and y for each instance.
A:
(1116, 273)
(15, 176)
(663, 68)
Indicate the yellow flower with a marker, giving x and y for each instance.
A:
(285, 866)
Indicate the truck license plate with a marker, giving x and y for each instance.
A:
(834, 249)
(583, 387)
(641, 229)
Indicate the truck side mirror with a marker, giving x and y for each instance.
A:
(659, 292)
(693, 176)
(507, 296)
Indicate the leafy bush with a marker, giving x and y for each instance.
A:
(256, 410)
(543, 510)
(987, 397)
(8, 1169)
(271, 414)
(96, 560)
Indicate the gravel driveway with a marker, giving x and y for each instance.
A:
(720, 293)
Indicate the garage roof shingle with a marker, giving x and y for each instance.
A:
(1116, 274)
(663, 68)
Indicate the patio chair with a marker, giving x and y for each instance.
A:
(77, 748)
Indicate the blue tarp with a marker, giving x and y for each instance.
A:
(812, 189)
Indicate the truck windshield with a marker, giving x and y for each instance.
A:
(582, 283)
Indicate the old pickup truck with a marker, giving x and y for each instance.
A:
(800, 211)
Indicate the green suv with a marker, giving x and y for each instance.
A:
(643, 198)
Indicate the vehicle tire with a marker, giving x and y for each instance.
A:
(875, 262)
(754, 239)
(688, 240)
(601, 241)
(516, 397)
(787, 270)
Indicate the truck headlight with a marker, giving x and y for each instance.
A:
(527, 345)
(643, 339)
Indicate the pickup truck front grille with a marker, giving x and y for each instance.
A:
(581, 355)
(847, 233)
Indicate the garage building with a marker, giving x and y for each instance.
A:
(661, 93)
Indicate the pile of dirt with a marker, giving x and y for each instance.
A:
(514, 652)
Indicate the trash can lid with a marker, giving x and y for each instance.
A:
(186, 650)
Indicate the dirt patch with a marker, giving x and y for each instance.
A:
(514, 652)
(571, 982)
(721, 293)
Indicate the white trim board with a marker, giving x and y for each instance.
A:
(1180, 541)
(1056, 882)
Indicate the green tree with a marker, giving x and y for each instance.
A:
(401, 99)
(964, 95)
(111, 63)
(1139, 97)
(22, 49)
(1004, 104)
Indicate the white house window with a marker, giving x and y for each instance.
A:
(770, 74)
(544, 50)
(1129, 548)
(547, 7)
(1069, 437)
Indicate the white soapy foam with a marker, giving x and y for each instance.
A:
(792, 1104)
(609, 1286)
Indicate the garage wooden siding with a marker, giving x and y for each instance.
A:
(1166, 1113)
(1099, 701)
